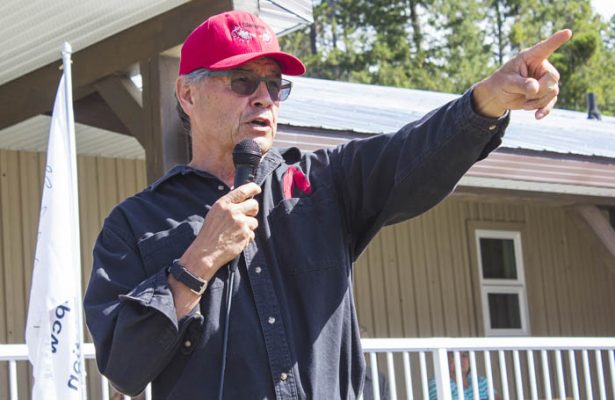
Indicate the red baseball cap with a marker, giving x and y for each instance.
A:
(230, 39)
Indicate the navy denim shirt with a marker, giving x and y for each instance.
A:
(293, 325)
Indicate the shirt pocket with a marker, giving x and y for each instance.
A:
(306, 234)
(160, 249)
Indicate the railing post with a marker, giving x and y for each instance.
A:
(373, 364)
(13, 379)
(443, 378)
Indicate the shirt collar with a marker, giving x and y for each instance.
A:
(267, 165)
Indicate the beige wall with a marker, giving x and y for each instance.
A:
(417, 279)
(103, 182)
(420, 278)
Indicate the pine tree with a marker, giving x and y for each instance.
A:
(447, 45)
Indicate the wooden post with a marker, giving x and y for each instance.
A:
(165, 142)
(600, 226)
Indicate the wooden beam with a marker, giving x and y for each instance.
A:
(33, 93)
(600, 226)
(165, 141)
(93, 111)
(125, 99)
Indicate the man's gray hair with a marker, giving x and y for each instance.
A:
(191, 78)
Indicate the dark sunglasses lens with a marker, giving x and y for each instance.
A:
(273, 87)
(244, 85)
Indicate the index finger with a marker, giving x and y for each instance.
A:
(545, 48)
(243, 192)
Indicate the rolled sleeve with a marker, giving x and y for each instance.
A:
(154, 292)
(130, 313)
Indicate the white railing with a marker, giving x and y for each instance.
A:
(12, 353)
(513, 368)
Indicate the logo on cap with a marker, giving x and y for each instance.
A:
(241, 34)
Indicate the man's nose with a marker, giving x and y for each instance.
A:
(261, 97)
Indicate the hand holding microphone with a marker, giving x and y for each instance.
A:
(231, 221)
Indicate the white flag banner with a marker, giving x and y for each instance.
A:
(53, 331)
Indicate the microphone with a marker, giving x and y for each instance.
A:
(247, 155)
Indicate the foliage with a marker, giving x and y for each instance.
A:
(447, 45)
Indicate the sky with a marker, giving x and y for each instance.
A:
(604, 7)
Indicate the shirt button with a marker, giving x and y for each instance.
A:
(271, 320)
(187, 343)
(492, 127)
(283, 376)
(220, 187)
(258, 270)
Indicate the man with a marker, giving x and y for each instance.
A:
(293, 332)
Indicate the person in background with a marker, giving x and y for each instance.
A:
(468, 390)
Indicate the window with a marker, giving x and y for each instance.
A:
(502, 283)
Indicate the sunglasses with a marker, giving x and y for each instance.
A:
(245, 83)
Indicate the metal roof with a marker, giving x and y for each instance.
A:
(334, 105)
(331, 105)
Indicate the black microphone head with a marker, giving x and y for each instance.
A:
(247, 152)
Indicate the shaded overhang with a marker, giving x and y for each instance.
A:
(112, 41)
(108, 37)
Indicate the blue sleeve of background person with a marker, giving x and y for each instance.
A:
(389, 178)
(483, 388)
(433, 390)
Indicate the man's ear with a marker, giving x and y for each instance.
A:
(183, 92)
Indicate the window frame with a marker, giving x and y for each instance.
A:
(502, 286)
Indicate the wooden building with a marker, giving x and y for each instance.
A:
(524, 246)
(541, 218)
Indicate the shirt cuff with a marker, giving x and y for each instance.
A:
(154, 292)
(470, 118)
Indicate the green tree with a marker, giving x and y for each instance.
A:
(500, 15)
(446, 45)
(463, 52)
(365, 41)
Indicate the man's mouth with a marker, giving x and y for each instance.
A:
(260, 122)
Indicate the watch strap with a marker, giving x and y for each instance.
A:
(194, 283)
